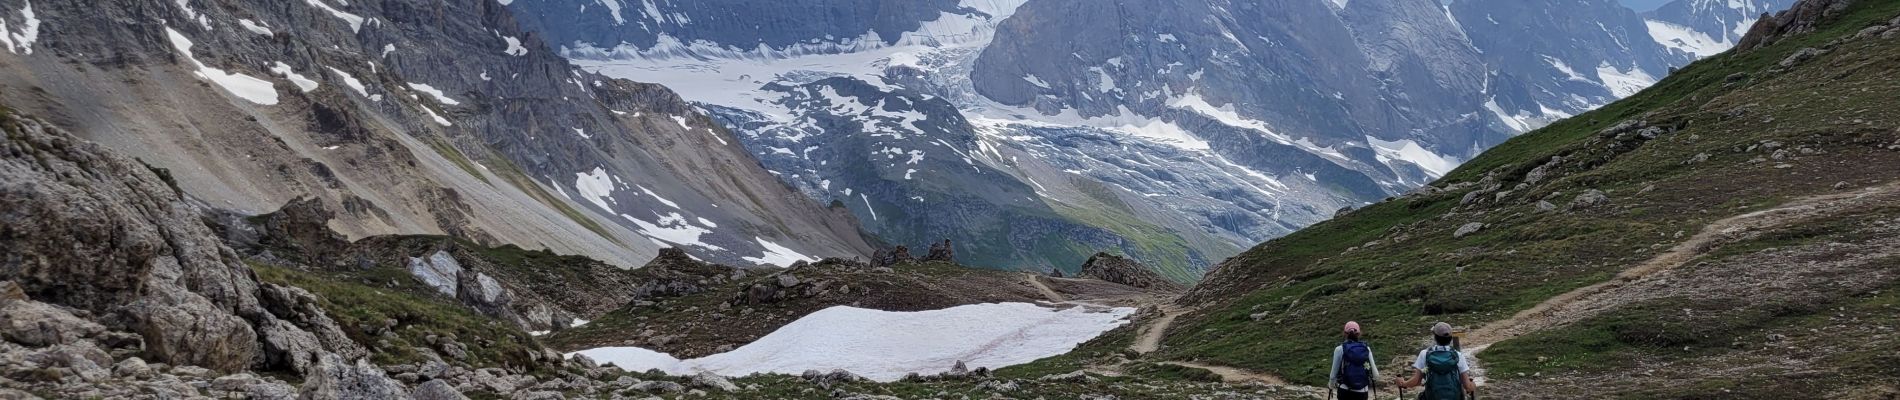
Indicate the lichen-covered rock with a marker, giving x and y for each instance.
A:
(712, 381)
(439, 271)
(436, 390)
(1468, 229)
(336, 378)
(1589, 198)
(38, 324)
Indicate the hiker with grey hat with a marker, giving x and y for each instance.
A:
(1442, 370)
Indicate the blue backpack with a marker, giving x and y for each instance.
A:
(1353, 358)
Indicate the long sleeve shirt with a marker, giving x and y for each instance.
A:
(1332, 375)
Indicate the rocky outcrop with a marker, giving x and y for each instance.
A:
(91, 230)
(941, 252)
(1802, 18)
(1113, 268)
(108, 236)
(887, 259)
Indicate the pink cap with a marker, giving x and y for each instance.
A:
(1352, 326)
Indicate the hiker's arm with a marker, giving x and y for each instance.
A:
(1332, 374)
(1417, 378)
(1374, 363)
(1470, 387)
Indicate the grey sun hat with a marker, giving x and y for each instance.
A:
(1441, 329)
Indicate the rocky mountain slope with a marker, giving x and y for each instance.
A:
(1173, 132)
(1704, 224)
(407, 117)
(184, 300)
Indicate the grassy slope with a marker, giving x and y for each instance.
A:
(1304, 285)
(361, 302)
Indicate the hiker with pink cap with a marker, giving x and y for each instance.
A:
(1353, 371)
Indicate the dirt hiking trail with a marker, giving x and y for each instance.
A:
(1586, 301)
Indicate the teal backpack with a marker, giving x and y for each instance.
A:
(1442, 379)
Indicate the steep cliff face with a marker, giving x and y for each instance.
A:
(409, 117)
(84, 228)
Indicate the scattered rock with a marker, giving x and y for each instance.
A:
(270, 390)
(539, 395)
(827, 379)
(80, 358)
(336, 378)
(1544, 205)
(1468, 229)
(715, 382)
(1072, 377)
(235, 382)
(998, 386)
(133, 367)
(439, 271)
(659, 387)
(1871, 31)
(39, 324)
(1589, 198)
(1800, 56)
(1543, 171)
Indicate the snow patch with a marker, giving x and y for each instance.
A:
(514, 46)
(355, 21)
(304, 84)
(436, 117)
(1033, 80)
(672, 228)
(243, 86)
(656, 196)
(1686, 39)
(1624, 83)
(351, 81)
(22, 42)
(433, 92)
(886, 345)
(776, 254)
(255, 27)
(1409, 151)
(596, 187)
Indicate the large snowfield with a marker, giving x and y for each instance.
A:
(886, 345)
